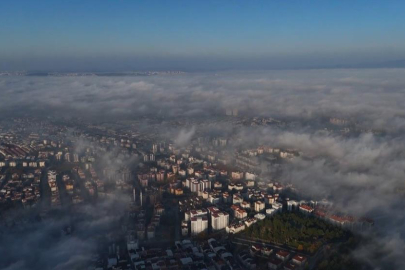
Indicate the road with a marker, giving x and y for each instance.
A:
(45, 190)
(177, 224)
(249, 242)
(311, 259)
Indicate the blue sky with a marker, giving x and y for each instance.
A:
(134, 34)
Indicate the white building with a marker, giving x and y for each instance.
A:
(182, 173)
(292, 205)
(184, 228)
(199, 225)
(214, 199)
(195, 186)
(250, 176)
(270, 212)
(238, 212)
(175, 169)
(269, 199)
(249, 222)
(205, 184)
(238, 187)
(235, 228)
(195, 213)
(277, 206)
(250, 183)
(259, 206)
(260, 216)
(151, 157)
(237, 175)
(219, 220)
(245, 205)
(237, 199)
(52, 181)
(190, 171)
(160, 176)
(199, 174)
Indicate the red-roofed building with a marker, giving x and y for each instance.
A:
(299, 260)
(320, 213)
(306, 209)
(283, 255)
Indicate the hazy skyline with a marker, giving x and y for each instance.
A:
(362, 173)
(273, 138)
(194, 35)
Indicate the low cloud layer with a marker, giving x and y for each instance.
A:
(38, 243)
(372, 97)
(363, 175)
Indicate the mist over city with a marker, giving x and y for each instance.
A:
(216, 135)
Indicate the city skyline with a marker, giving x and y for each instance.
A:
(203, 135)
